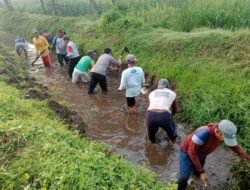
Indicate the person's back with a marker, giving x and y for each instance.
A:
(161, 99)
(103, 63)
(60, 46)
(84, 63)
(134, 77)
(20, 44)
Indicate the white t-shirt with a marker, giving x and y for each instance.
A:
(72, 50)
(132, 80)
(161, 99)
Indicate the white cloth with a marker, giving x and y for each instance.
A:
(72, 50)
(161, 99)
(132, 80)
(80, 76)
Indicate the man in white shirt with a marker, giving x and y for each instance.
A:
(132, 81)
(72, 54)
(162, 106)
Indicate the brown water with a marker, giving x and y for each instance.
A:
(108, 122)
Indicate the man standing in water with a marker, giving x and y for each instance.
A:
(72, 54)
(42, 50)
(162, 106)
(204, 140)
(132, 81)
(59, 45)
(99, 71)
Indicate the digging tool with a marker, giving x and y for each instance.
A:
(124, 49)
(32, 64)
(145, 88)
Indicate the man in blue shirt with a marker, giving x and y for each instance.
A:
(132, 81)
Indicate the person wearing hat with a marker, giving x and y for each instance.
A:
(82, 67)
(72, 54)
(200, 143)
(162, 106)
(99, 71)
(132, 81)
(59, 45)
(42, 49)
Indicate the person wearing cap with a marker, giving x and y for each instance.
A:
(72, 54)
(59, 45)
(162, 106)
(99, 71)
(20, 44)
(42, 48)
(82, 67)
(132, 81)
(204, 140)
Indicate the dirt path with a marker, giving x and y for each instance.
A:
(108, 122)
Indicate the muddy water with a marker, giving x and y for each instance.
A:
(109, 122)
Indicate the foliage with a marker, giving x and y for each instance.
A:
(209, 67)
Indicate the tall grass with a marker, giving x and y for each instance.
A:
(181, 15)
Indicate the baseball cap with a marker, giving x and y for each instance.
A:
(163, 83)
(228, 130)
(35, 31)
(90, 52)
(130, 58)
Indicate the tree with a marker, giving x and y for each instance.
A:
(43, 7)
(113, 2)
(9, 5)
(93, 8)
(54, 6)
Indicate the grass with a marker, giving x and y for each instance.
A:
(38, 152)
(210, 67)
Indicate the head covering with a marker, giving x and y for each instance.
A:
(130, 58)
(35, 31)
(228, 130)
(163, 83)
(107, 50)
(90, 52)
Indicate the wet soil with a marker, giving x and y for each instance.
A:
(106, 120)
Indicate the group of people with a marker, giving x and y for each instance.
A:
(162, 102)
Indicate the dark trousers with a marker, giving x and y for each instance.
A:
(72, 63)
(95, 79)
(61, 57)
(186, 169)
(163, 120)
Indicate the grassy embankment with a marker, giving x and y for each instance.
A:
(38, 152)
(210, 67)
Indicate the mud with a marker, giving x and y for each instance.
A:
(106, 120)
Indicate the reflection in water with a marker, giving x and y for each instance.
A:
(125, 133)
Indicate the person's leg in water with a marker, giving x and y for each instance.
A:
(103, 83)
(131, 105)
(92, 84)
(186, 169)
(168, 125)
(152, 126)
(60, 59)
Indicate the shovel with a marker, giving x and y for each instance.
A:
(32, 64)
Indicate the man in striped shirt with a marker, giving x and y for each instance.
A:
(204, 140)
